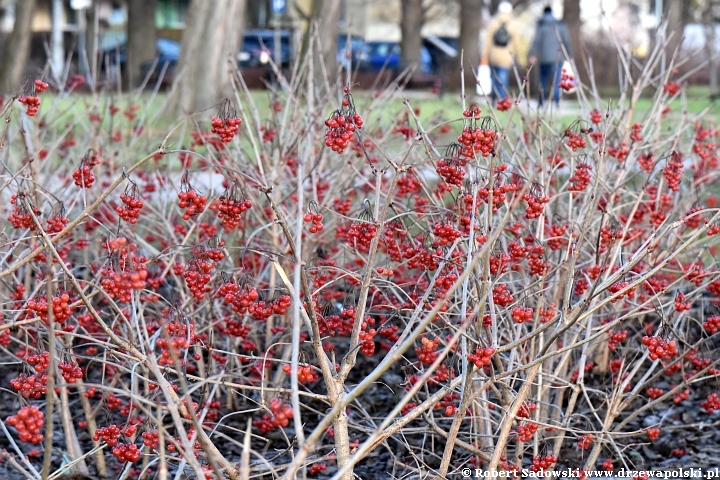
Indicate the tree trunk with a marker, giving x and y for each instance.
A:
(17, 48)
(57, 47)
(709, 24)
(209, 49)
(676, 25)
(469, 47)
(571, 17)
(326, 14)
(412, 21)
(142, 36)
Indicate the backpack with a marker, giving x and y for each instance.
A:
(501, 38)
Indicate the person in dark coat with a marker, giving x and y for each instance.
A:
(551, 37)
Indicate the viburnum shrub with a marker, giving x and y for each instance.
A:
(383, 291)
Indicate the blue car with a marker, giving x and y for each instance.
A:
(258, 48)
(378, 55)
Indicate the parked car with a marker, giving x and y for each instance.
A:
(258, 48)
(442, 50)
(355, 50)
(378, 55)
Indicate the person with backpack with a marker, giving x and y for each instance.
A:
(551, 44)
(499, 48)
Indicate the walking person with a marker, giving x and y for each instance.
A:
(551, 37)
(499, 47)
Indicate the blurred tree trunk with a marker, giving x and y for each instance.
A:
(571, 17)
(142, 36)
(57, 46)
(710, 37)
(326, 15)
(412, 21)
(469, 46)
(209, 48)
(17, 47)
(674, 13)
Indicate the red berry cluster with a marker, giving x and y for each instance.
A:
(38, 306)
(451, 170)
(501, 295)
(361, 235)
(660, 348)
(28, 422)
(445, 234)
(522, 314)
(536, 205)
(70, 371)
(20, 217)
(712, 324)
(32, 102)
(280, 416)
(83, 176)
(226, 123)
(711, 404)
(673, 171)
(342, 124)
(596, 116)
(526, 430)
(197, 276)
(316, 468)
(190, 200)
(653, 433)
(680, 303)
(126, 270)
(126, 452)
(40, 86)
(129, 210)
(671, 87)
(109, 435)
(526, 409)
(636, 133)
(615, 338)
(619, 286)
(654, 393)
(316, 220)
(230, 207)
(481, 357)
(306, 373)
(427, 353)
(575, 140)
(477, 139)
(151, 439)
(365, 340)
(473, 111)
(646, 161)
(56, 224)
(30, 386)
(585, 441)
(268, 134)
(543, 463)
(567, 80)
(504, 104)
(581, 179)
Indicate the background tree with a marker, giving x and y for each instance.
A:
(326, 15)
(211, 39)
(470, 23)
(413, 17)
(677, 14)
(142, 35)
(571, 17)
(708, 20)
(17, 47)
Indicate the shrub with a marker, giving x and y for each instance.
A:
(524, 296)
